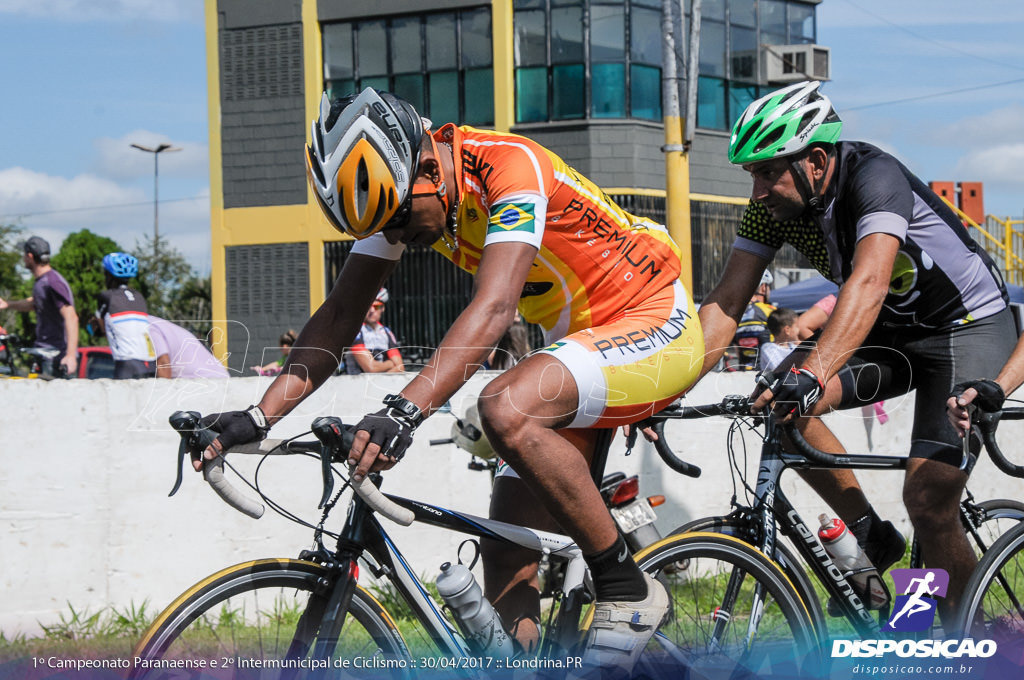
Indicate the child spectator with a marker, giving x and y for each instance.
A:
(782, 324)
(286, 342)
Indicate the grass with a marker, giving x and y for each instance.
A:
(104, 634)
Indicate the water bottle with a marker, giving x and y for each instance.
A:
(476, 617)
(842, 547)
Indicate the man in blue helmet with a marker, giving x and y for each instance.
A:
(124, 318)
(917, 299)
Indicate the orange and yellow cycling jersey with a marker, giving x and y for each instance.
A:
(594, 260)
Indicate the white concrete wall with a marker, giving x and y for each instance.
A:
(85, 518)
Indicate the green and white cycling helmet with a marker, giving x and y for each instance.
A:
(784, 123)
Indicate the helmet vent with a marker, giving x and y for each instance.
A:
(770, 139)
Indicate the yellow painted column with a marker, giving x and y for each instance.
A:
(504, 64)
(677, 197)
(313, 59)
(218, 276)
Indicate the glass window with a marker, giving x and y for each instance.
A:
(441, 41)
(744, 53)
(711, 112)
(478, 93)
(373, 49)
(645, 36)
(773, 20)
(476, 38)
(608, 90)
(406, 46)
(567, 35)
(740, 97)
(444, 97)
(410, 88)
(645, 91)
(608, 33)
(528, 4)
(801, 23)
(743, 13)
(338, 52)
(340, 88)
(530, 43)
(377, 82)
(568, 95)
(531, 94)
(712, 9)
(712, 48)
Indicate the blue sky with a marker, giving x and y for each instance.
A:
(83, 79)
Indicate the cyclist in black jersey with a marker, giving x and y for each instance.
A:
(917, 298)
(124, 318)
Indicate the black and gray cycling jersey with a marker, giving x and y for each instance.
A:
(941, 276)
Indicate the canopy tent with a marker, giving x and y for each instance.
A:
(802, 295)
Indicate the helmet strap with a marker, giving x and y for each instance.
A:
(812, 193)
(451, 207)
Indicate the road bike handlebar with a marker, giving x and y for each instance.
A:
(740, 406)
(333, 445)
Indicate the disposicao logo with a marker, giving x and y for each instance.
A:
(914, 611)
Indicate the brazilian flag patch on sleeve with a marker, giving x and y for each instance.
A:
(511, 217)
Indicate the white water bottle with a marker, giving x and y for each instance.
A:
(842, 547)
(476, 617)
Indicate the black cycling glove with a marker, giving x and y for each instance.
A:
(796, 391)
(237, 427)
(391, 429)
(990, 395)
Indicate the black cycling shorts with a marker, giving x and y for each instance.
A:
(895, 360)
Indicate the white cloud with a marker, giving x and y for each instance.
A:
(999, 167)
(54, 207)
(169, 11)
(117, 159)
(988, 129)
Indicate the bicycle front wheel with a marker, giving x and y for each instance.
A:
(265, 616)
(993, 602)
(733, 612)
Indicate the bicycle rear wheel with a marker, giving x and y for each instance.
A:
(264, 616)
(733, 613)
(993, 602)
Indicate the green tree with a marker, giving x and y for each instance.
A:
(80, 261)
(171, 287)
(15, 283)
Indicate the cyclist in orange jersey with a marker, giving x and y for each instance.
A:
(537, 236)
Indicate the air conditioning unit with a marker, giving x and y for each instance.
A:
(793, 63)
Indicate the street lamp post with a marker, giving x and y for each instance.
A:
(156, 196)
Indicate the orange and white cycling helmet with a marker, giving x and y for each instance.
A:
(363, 159)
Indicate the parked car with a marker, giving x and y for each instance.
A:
(95, 362)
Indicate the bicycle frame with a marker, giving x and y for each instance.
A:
(363, 535)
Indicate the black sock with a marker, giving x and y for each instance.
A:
(865, 527)
(617, 578)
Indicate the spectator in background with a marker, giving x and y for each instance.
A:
(286, 342)
(375, 349)
(179, 354)
(782, 324)
(752, 331)
(815, 317)
(124, 318)
(54, 305)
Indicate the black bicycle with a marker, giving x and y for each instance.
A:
(769, 515)
(290, 616)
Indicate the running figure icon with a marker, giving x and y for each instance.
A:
(915, 608)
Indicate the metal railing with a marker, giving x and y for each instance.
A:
(1002, 239)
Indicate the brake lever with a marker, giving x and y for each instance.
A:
(184, 423)
(336, 440)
